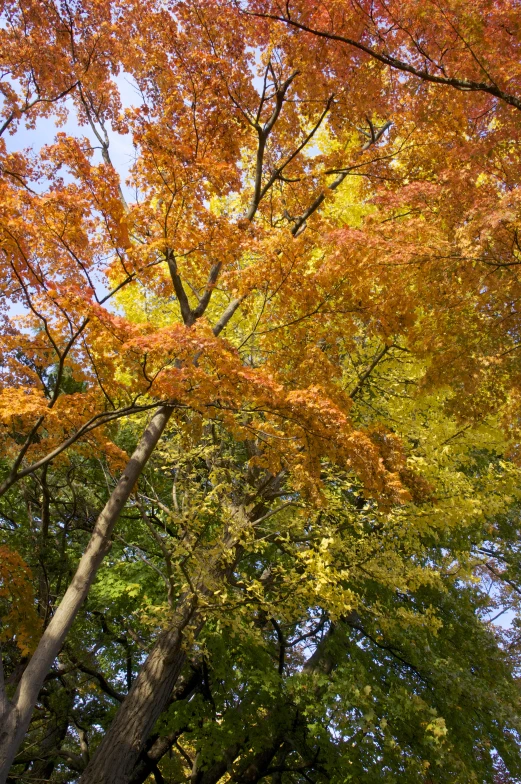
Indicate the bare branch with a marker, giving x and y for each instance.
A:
(263, 131)
(205, 299)
(186, 310)
(227, 315)
(363, 378)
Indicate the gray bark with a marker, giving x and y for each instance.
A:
(15, 714)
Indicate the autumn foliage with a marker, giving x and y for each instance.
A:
(259, 390)
(19, 616)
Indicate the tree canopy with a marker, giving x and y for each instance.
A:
(260, 480)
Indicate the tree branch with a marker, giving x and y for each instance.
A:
(300, 223)
(263, 131)
(91, 424)
(465, 85)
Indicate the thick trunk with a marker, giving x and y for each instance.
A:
(119, 751)
(159, 745)
(17, 713)
(118, 754)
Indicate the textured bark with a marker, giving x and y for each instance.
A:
(119, 752)
(159, 745)
(16, 714)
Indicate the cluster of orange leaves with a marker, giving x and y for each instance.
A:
(431, 262)
(19, 619)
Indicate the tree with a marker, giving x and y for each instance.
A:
(396, 568)
(235, 252)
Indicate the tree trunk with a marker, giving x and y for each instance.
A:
(15, 715)
(119, 752)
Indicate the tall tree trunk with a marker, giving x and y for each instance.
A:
(118, 754)
(15, 714)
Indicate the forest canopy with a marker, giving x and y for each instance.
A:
(260, 409)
